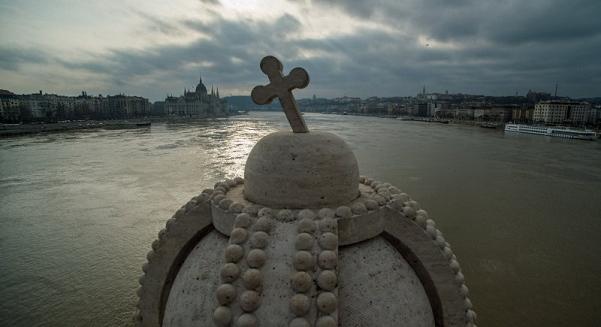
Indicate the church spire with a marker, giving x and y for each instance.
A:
(217, 92)
(201, 90)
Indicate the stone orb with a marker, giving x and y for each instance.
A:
(301, 170)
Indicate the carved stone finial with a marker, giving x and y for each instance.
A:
(281, 87)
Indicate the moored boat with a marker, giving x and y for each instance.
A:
(562, 132)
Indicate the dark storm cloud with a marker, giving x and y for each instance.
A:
(509, 21)
(501, 44)
(11, 58)
(230, 53)
(485, 47)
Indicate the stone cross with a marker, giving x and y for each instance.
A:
(281, 87)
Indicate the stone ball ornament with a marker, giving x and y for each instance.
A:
(301, 240)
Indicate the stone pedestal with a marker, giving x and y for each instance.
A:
(302, 240)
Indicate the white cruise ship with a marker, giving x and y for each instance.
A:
(552, 131)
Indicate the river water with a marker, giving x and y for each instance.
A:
(79, 210)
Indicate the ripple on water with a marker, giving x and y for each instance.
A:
(166, 146)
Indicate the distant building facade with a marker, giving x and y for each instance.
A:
(561, 112)
(52, 107)
(493, 114)
(197, 103)
(129, 106)
(522, 115)
(9, 107)
(595, 118)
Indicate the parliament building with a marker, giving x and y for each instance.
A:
(198, 103)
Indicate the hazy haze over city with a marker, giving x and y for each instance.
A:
(355, 48)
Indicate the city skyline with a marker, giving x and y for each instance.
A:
(423, 90)
(349, 48)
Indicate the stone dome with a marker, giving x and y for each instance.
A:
(301, 170)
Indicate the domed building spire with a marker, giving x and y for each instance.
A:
(201, 89)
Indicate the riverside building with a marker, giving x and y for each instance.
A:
(52, 107)
(562, 111)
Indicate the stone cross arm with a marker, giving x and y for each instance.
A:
(281, 87)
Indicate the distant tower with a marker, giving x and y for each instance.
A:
(555, 89)
(218, 93)
(201, 89)
(424, 90)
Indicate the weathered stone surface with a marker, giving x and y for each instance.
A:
(308, 170)
(181, 233)
(358, 228)
(431, 264)
(192, 301)
(377, 287)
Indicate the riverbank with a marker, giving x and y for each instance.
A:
(498, 125)
(11, 130)
(474, 123)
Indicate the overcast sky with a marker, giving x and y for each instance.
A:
(355, 48)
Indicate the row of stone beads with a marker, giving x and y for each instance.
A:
(304, 264)
(437, 237)
(327, 279)
(252, 279)
(357, 208)
(403, 203)
(156, 244)
(220, 190)
(383, 194)
(254, 232)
